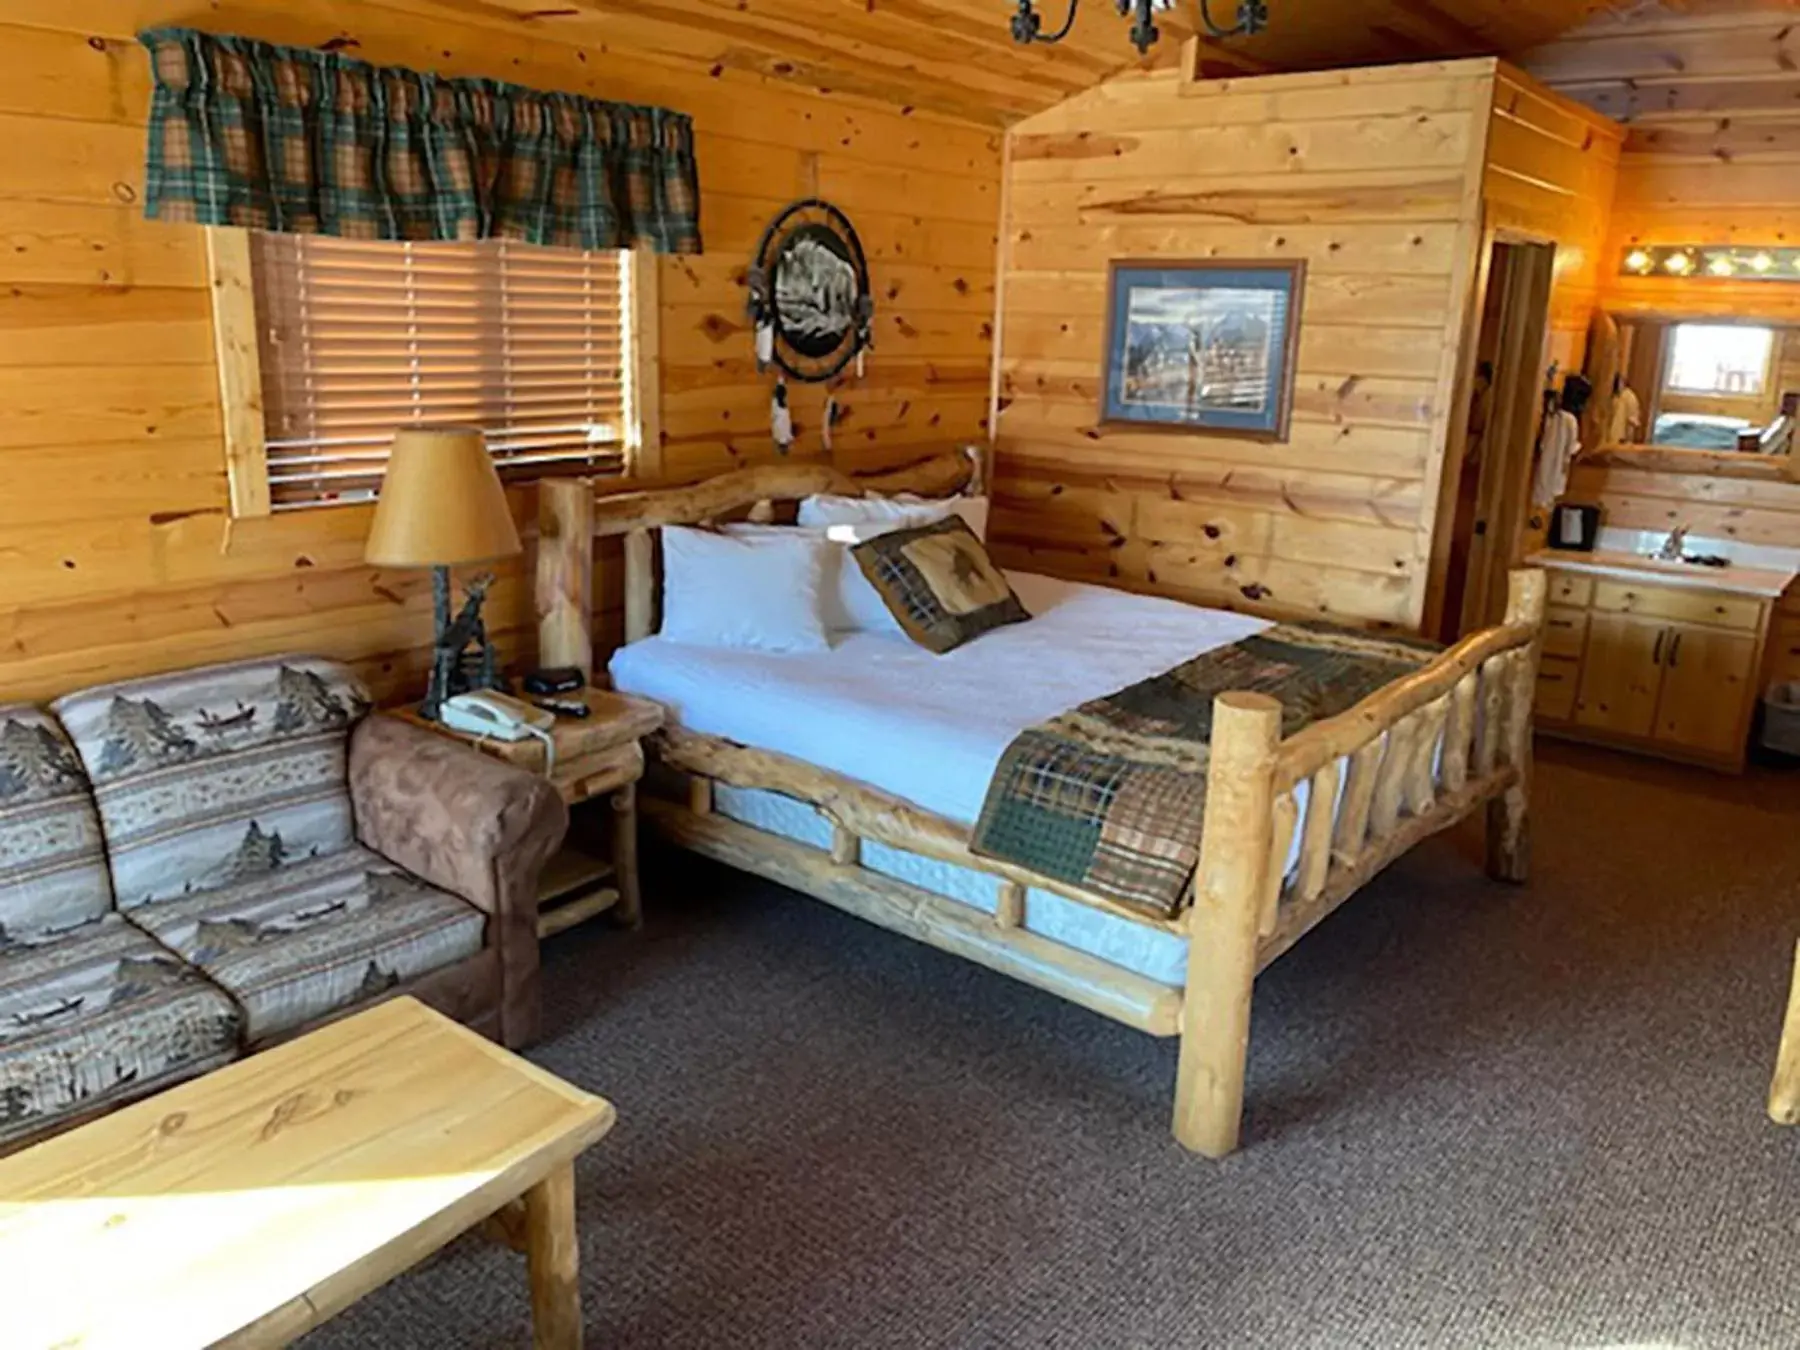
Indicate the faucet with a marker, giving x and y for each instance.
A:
(1673, 545)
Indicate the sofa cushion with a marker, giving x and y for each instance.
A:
(212, 776)
(52, 864)
(316, 936)
(97, 1014)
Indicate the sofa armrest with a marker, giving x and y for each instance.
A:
(470, 825)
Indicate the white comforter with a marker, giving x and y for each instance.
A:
(930, 729)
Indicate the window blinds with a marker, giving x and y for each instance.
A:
(360, 337)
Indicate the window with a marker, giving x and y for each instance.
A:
(355, 338)
(1710, 358)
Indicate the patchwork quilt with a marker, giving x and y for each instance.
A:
(1110, 795)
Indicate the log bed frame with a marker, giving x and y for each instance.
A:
(1423, 753)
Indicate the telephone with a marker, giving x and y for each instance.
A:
(490, 714)
(487, 713)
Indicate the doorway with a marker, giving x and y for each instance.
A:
(1493, 464)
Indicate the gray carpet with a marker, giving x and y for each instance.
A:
(1479, 1117)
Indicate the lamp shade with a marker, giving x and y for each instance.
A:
(441, 502)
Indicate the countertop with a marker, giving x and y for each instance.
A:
(1760, 581)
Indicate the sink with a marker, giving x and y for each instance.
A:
(1689, 560)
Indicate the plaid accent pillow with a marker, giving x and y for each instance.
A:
(303, 141)
(939, 582)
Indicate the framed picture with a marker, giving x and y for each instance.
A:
(1205, 346)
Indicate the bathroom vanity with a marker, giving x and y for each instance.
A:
(1662, 657)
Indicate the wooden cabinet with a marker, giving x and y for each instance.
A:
(1621, 674)
(1664, 669)
(1708, 677)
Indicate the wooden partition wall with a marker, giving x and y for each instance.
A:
(117, 552)
(1385, 181)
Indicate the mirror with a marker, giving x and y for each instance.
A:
(1696, 383)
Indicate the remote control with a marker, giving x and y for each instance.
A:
(564, 707)
(556, 680)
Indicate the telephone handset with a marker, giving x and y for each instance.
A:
(489, 713)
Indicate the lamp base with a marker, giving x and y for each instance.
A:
(462, 657)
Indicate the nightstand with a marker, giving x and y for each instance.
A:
(599, 760)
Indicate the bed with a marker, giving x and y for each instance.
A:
(854, 775)
(1699, 431)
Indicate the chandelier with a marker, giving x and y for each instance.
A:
(1252, 17)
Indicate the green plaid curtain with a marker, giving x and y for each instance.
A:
(311, 142)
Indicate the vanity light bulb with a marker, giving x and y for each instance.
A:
(1638, 260)
(1721, 267)
(1761, 262)
(1679, 263)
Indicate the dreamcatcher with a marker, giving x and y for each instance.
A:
(810, 304)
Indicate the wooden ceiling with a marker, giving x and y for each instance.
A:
(957, 57)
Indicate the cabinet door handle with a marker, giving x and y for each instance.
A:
(1675, 651)
(1656, 654)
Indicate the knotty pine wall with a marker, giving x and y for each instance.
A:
(116, 554)
(1712, 109)
(1379, 179)
(1552, 170)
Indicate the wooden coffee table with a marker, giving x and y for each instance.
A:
(246, 1207)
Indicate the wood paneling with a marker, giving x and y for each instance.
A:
(1712, 104)
(1552, 166)
(1383, 180)
(117, 557)
(950, 56)
(1373, 177)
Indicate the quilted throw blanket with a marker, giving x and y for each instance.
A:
(1110, 795)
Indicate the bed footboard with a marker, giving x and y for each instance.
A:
(1413, 759)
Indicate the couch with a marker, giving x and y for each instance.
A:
(195, 866)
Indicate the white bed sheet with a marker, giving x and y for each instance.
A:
(930, 729)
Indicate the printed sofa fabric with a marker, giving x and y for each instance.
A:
(317, 936)
(939, 582)
(97, 1014)
(208, 778)
(52, 860)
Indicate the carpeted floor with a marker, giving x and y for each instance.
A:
(1479, 1117)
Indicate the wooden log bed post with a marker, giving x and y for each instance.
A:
(565, 574)
(1223, 922)
(1509, 814)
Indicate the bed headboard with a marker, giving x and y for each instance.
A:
(573, 512)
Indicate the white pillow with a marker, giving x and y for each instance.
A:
(973, 510)
(824, 510)
(760, 591)
(848, 603)
(892, 513)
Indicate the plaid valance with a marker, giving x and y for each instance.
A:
(304, 141)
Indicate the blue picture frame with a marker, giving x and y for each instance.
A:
(1202, 346)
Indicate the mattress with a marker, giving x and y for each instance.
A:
(931, 729)
(1154, 953)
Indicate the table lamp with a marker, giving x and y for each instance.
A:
(442, 506)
